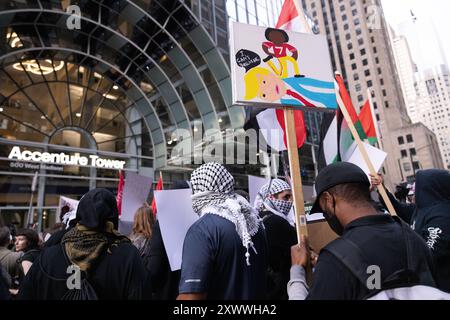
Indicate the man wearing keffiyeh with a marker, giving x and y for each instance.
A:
(274, 202)
(224, 253)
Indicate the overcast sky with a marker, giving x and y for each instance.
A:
(397, 11)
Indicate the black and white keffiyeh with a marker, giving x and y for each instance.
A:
(213, 193)
(280, 208)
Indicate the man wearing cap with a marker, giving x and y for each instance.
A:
(367, 236)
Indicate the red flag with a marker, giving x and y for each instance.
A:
(120, 192)
(367, 122)
(159, 186)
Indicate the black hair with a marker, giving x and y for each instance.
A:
(269, 30)
(352, 192)
(4, 236)
(32, 238)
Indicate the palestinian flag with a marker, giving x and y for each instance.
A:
(337, 143)
(368, 123)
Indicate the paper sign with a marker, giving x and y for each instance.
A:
(376, 156)
(272, 68)
(72, 204)
(135, 193)
(175, 219)
(254, 185)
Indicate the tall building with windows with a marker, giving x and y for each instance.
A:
(407, 70)
(433, 105)
(360, 50)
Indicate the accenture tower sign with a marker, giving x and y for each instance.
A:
(64, 159)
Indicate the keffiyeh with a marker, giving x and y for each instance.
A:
(278, 207)
(213, 193)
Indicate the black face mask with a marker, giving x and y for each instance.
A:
(333, 221)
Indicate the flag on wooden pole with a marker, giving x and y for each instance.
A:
(273, 128)
(367, 121)
(159, 186)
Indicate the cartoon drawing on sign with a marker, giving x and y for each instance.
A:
(262, 83)
(278, 47)
(281, 68)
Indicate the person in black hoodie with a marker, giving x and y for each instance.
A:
(430, 218)
(110, 262)
(274, 202)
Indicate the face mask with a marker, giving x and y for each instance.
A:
(282, 206)
(333, 221)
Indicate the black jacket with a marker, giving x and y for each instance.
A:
(281, 236)
(164, 281)
(382, 244)
(431, 220)
(119, 275)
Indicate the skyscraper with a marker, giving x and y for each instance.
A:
(425, 45)
(407, 70)
(433, 105)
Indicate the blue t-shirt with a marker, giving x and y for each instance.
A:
(214, 262)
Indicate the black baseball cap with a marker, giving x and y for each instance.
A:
(336, 174)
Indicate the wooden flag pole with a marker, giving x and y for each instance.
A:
(363, 150)
(296, 178)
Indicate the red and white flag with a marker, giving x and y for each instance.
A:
(120, 192)
(289, 18)
(272, 126)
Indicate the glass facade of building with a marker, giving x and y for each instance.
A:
(119, 88)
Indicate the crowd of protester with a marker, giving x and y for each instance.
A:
(242, 251)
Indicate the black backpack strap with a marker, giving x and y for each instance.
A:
(350, 255)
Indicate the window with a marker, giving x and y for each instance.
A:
(342, 8)
(372, 39)
(344, 17)
(356, 22)
(369, 84)
(386, 104)
(360, 42)
(409, 138)
(412, 151)
(375, 106)
(353, 66)
(379, 70)
(416, 165)
(360, 98)
(367, 72)
(377, 60)
(354, 12)
(358, 87)
(377, 116)
(349, 46)
(363, 51)
(352, 56)
(347, 36)
(365, 62)
(404, 153)
(407, 166)
(401, 140)
(356, 77)
(358, 32)
(374, 50)
(346, 26)
(382, 82)
(384, 93)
